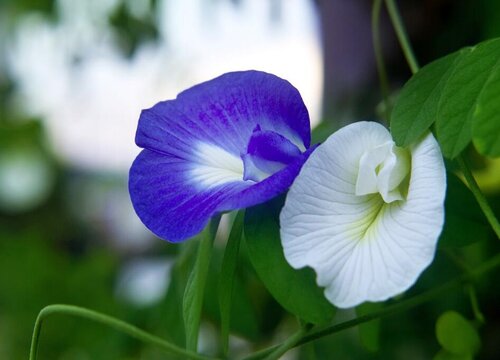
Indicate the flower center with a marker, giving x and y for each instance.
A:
(383, 170)
(267, 152)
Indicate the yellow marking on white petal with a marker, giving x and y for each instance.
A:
(215, 166)
(366, 222)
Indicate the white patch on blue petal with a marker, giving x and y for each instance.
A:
(215, 166)
(297, 141)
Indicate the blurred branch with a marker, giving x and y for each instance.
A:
(379, 57)
(475, 304)
(402, 35)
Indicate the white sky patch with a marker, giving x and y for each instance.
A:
(73, 75)
(215, 166)
(144, 282)
(343, 218)
(26, 179)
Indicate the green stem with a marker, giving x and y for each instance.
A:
(290, 343)
(480, 198)
(110, 321)
(469, 287)
(379, 57)
(226, 278)
(389, 310)
(471, 290)
(402, 35)
(193, 295)
(475, 304)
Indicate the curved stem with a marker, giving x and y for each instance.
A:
(475, 304)
(36, 334)
(480, 198)
(389, 310)
(379, 57)
(290, 343)
(110, 321)
(402, 36)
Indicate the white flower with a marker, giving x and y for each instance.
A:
(365, 214)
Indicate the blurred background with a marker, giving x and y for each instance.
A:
(74, 76)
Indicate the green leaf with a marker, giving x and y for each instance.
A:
(459, 93)
(171, 309)
(243, 312)
(464, 221)
(456, 334)
(460, 96)
(172, 314)
(417, 104)
(226, 277)
(486, 125)
(195, 287)
(369, 332)
(295, 290)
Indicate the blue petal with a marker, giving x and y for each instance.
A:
(267, 153)
(176, 209)
(225, 111)
(192, 165)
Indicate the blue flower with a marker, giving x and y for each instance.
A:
(229, 143)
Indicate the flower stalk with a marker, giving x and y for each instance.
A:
(379, 57)
(480, 198)
(402, 35)
(290, 343)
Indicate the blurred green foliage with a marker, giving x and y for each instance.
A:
(132, 31)
(456, 335)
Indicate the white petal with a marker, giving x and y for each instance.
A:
(370, 161)
(362, 248)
